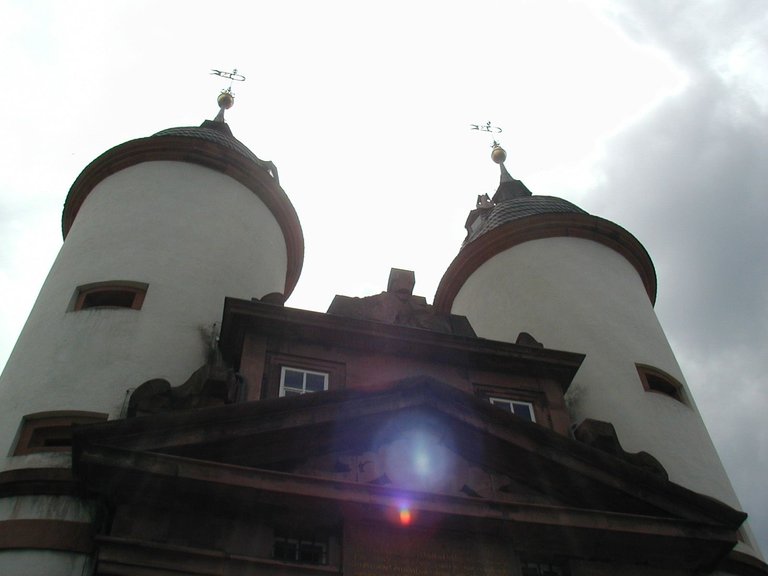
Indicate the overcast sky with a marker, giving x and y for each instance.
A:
(651, 114)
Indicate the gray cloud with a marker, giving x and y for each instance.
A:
(691, 182)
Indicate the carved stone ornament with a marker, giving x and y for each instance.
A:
(399, 306)
(209, 385)
(602, 435)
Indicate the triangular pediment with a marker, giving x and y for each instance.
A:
(419, 436)
(419, 454)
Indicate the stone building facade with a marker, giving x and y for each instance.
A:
(531, 421)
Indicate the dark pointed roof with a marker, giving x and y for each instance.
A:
(221, 134)
(518, 207)
(509, 187)
(512, 201)
(514, 216)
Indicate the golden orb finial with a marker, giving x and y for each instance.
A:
(498, 154)
(225, 100)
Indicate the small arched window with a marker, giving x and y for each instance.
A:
(51, 431)
(114, 294)
(655, 380)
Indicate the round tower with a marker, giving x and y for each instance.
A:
(577, 282)
(157, 232)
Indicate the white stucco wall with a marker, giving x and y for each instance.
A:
(48, 507)
(42, 507)
(194, 236)
(48, 562)
(578, 295)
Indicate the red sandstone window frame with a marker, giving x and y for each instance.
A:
(659, 382)
(112, 294)
(51, 431)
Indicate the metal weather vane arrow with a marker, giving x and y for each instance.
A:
(232, 76)
(487, 127)
(227, 98)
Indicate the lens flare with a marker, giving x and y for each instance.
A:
(405, 516)
(422, 462)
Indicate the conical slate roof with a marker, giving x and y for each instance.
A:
(512, 201)
(219, 133)
(517, 208)
(514, 216)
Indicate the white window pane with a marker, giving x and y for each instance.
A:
(315, 382)
(520, 409)
(298, 381)
(501, 403)
(293, 379)
(523, 410)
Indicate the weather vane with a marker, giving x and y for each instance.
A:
(233, 77)
(498, 154)
(486, 128)
(489, 128)
(227, 98)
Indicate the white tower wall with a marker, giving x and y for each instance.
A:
(42, 508)
(148, 213)
(579, 295)
(194, 236)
